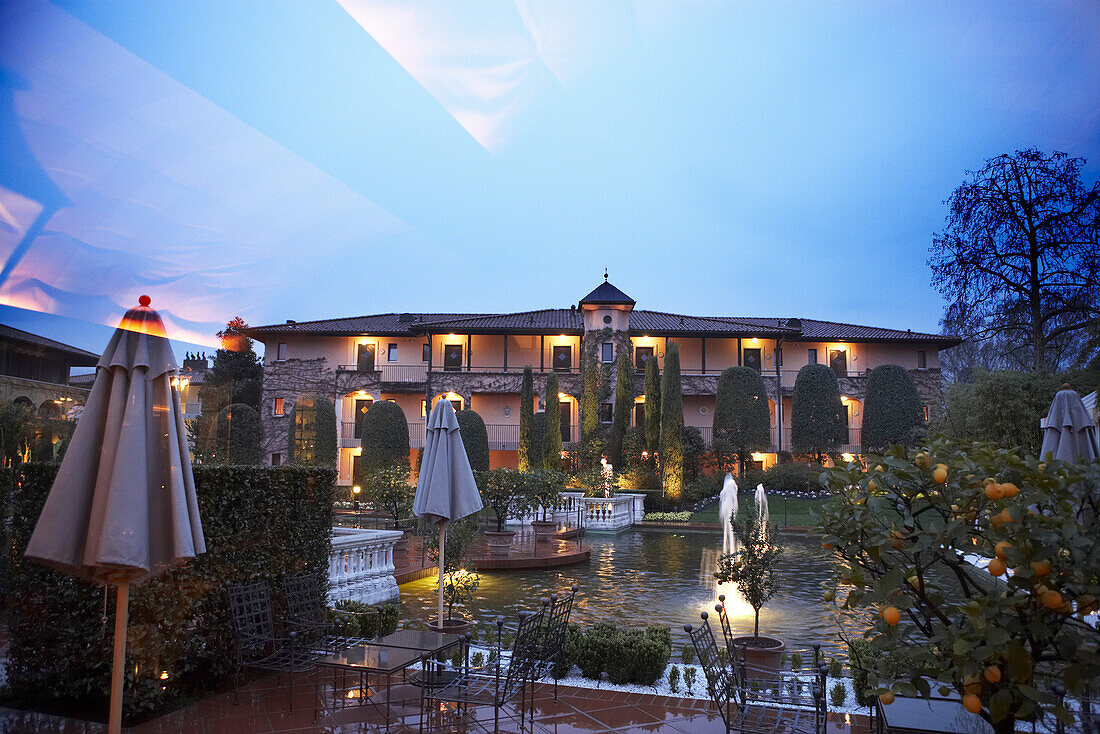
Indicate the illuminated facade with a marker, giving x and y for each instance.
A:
(477, 360)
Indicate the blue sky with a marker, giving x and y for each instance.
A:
(317, 159)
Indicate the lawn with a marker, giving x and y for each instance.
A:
(782, 512)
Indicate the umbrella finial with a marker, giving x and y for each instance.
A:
(1065, 386)
(144, 301)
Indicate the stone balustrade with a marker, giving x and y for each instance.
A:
(360, 565)
(594, 513)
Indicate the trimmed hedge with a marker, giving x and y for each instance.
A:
(816, 423)
(240, 435)
(627, 656)
(385, 433)
(475, 439)
(256, 520)
(892, 409)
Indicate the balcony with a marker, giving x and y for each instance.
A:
(501, 437)
(396, 373)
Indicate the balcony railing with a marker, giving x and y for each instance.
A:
(392, 372)
(853, 446)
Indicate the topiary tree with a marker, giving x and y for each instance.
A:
(327, 451)
(388, 491)
(930, 542)
(538, 438)
(672, 423)
(891, 410)
(551, 438)
(240, 435)
(385, 438)
(505, 491)
(816, 423)
(526, 414)
(652, 405)
(742, 421)
(475, 438)
(624, 400)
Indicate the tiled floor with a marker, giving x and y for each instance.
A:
(264, 707)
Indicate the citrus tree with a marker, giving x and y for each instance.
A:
(505, 491)
(388, 491)
(979, 571)
(752, 566)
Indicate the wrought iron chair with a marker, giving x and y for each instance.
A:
(258, 647)
(555, 624)
(769, 686)
(736, 710)
(470, 688)
(305, 615)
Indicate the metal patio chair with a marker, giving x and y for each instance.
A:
(768, 686)
(473, 689)
(555, 624)
(737, 712)
(258, 647)
(306, 615)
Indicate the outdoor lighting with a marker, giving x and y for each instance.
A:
(645, 454)
(755, 340)
(847, 457)
(757, 456)
(361, 392)
(356, 489)
(164, 675)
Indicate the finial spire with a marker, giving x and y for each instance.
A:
(605, 275)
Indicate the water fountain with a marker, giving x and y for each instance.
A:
(761, 504)
(727, 508)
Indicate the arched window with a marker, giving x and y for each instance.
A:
(49, 409)
(304, 430)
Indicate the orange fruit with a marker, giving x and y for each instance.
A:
(1041, 568)
(994, 491)
(922, 460)
(1010, 489)
(993, 674)
(1005, 516)
(972, 703)
(892, 616)
(996, 567)
(827, 546)
(1001, 548)
(1052, 599)
(939, 474)
(886, 698)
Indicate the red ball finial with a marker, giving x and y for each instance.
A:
(145, 300)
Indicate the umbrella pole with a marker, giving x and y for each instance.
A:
(442, 547)
(118, 668)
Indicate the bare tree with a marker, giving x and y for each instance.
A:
(1018, 261)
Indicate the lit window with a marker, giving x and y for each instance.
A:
(607, 352)
(606, 412)
(280, 352)
(922, 361)
(278, 410)
(391, 353)
(924, 410)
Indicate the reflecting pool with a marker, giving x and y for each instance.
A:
(641, 577)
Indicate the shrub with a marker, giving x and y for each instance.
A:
(796, 661)
(475, 439)
(752, 477)
(838, 694)
(674, 678)
(326, 452)
(687, 654)
(792, 478)
(892, 409)
(667, 517)
(526, 415)
(689, 678)
(387, 490)
(385, 439)
(704, 486)
(742, 419)
(672, 423)
(817, 425)
(240, 435)
(365, 620)
(477, 659)
(256, 520)
(691, 440)
(570, 651)
(836, 668)
(594, 648)
(627, 656)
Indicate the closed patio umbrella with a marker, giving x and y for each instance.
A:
(445, 490)
(1069, 433)
(122, 508)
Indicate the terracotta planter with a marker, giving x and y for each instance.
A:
(451, 626)
(544, 529)
(499, 541)
(762, 653)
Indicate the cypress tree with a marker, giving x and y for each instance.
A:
(742, 421)
(672, 423)
(526, 414)
(590, 400)
(652, 405)
(327, 452)
(816, 423)
(624, 399)
(892, 409)
(475, 439)
(551, 440)
(240, 435)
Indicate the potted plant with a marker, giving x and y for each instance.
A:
(543, 495)
(752, 569)
(504, 491)
(459, 585)
(387, 490)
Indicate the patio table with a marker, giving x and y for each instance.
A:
(935, 715)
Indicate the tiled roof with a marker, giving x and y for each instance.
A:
(609, 294)
(79, 357)
(567, 320)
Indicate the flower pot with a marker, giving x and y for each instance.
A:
(544, 529)
(499, 541)
(454, 626)
(762, 653)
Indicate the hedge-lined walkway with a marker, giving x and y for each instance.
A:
(263, 709)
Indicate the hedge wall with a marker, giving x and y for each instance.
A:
(257, 520)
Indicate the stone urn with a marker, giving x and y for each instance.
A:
(762, 653)
(499, 541)
(544, 529)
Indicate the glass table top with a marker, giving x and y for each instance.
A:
(372, 658)
(422, 640)
(944, 716)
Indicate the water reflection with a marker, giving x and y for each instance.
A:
(641, 577)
